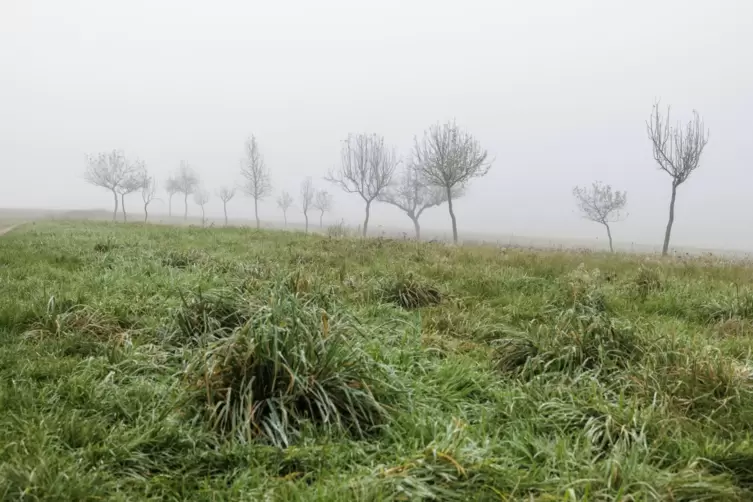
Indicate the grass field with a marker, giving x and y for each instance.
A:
(156, 363)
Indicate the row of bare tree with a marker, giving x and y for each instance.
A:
(437, 170)
(677, 151)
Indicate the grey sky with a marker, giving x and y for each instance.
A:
(558, 91)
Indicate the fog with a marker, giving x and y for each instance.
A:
(558, 91)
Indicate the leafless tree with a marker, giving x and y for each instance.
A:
(323, 203)
(677, 151)
(600, 204)
(307, 198)
(131, 183)
(254, 170)
(285, 202)
(186, 181)
(171, 187)
(201, 197)
(367, 166)
(412, 195)
(225, 194)
(449, 157)
(109, 170)
(148, 193)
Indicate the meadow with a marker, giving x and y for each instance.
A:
(143, 362)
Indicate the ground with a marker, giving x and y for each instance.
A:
(158, 363)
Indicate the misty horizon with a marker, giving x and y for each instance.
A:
(557, 92)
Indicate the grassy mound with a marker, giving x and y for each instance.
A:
(286, 365)
(409, 292)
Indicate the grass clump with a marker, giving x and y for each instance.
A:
(410, 292)
(288, 365)
(216, 312)
(182, 259)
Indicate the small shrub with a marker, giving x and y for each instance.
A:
(287, 366)
(215, 312)
(411, 293)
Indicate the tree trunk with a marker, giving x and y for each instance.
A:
(366, 220)
(665, 248)
(170, 205)
(609, 234)
(224, 209)
(416, 226)
(306, 215)
(115, 211)
(256, 212)
(122, 206)
(202, 215)
(452, 216)
(285, 217)
(185, 211)
(146, 212)
(321, 225)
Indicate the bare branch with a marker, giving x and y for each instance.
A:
(367, 167)
(322, 201)
(185, 181)
(254, 170)
(412, 194)
(599, 203)
(676, 150)
(226, 194)
(111, 171)
(448, 157)
(307, 198)
(285, 201)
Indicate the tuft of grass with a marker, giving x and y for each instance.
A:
(288, 365)
(410, 292)
(182, 259)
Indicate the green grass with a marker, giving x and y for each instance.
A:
(153, 363)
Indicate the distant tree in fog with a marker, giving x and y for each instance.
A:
(285, 202)
(254, 170)
(171, 187)
(225, 194)
(600, 204)
(148, 193)
(109, 170)
(449, 157)
(185, 181)
(677, 151)
(131, 183)
(413, 195)
(307, 198)
(366, 169)
(201, 197)
(323, 203)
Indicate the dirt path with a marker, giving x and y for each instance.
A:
(5, 230)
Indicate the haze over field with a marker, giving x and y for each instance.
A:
(557, 91)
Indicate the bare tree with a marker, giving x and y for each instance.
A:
(307, 198)
(186, 181)
(254, 169)
(171, 187)
(285, 202)
(131, 183)
(412, 195)
(148, 193)
(367, 166)
(323, 203)
(109, 170)
(677, 151)
(449, 157)
(225, 194)
(600, 204)
(201, 197)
